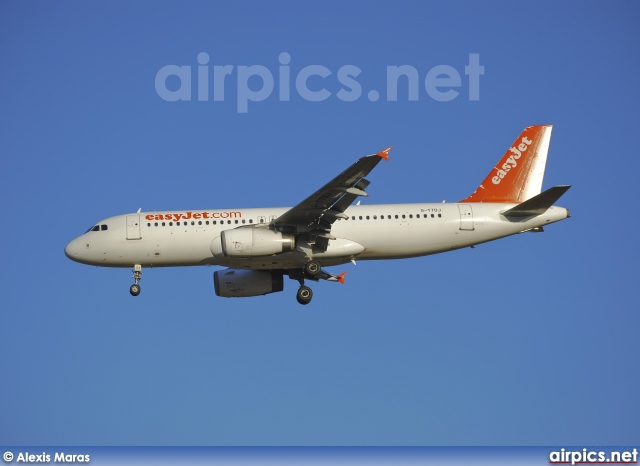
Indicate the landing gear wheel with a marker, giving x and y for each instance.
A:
(137, 275)
(304, 295)
(312, 269)
(134, 290)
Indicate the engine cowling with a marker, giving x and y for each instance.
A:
(240, 283)
(247, 242)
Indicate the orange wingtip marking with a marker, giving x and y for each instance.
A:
(385, 153)
(341, 277)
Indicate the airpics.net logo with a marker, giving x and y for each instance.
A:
(207, 82)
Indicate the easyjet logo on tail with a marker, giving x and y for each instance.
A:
(511, 161)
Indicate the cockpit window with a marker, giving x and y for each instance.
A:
(98, 228)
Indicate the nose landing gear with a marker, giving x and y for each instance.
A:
(137, 275)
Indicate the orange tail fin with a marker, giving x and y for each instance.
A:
(519, 174)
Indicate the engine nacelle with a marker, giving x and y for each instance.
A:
(240, 283)
(246, 242)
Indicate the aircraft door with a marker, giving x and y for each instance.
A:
(133, 227)
(466, 217)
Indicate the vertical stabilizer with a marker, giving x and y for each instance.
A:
(519, 174)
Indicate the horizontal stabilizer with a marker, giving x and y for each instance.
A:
(537, 204)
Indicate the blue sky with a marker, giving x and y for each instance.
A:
(531, 340)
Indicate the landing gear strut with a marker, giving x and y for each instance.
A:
(137, 275)
(304, 294)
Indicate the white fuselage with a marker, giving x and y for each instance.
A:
(386, 231)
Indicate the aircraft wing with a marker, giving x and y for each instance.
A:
(316, 213)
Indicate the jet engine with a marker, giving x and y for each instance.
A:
(244, 242)
(239, 283)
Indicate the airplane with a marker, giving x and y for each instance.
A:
(260, 246)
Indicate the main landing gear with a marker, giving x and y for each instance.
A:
(137, 275)
(311, 271)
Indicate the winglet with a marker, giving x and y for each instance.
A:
(341, 277)
(385, 153)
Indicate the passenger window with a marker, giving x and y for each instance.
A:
(360, 217)
(192, 222)
(439, 215)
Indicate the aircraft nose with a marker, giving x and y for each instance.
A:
(72, 250)
(68, 251)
